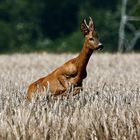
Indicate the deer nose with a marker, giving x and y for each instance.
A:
(100, 46)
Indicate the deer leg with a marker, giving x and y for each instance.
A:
(77, 90)
(63, 81)
(64, 84)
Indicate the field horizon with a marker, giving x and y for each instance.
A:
(108, 108)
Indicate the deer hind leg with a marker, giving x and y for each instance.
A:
(62, 87)
(74, 92)
(64, 83)
(77, 90)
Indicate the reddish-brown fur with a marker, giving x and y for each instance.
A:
(72, 72)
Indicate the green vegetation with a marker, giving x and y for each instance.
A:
(53, 26)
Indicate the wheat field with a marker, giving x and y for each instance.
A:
(107, 109)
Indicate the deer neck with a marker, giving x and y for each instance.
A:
(83, 58)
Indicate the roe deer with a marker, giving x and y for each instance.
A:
(72, 73)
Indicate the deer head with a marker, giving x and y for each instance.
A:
(91, 37)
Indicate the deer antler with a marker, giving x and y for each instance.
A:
(91, 24)
(84, 27)
(85, 22)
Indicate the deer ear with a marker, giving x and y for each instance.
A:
(84, 28)
(91, 25)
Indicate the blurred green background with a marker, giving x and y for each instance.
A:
(54, 26)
